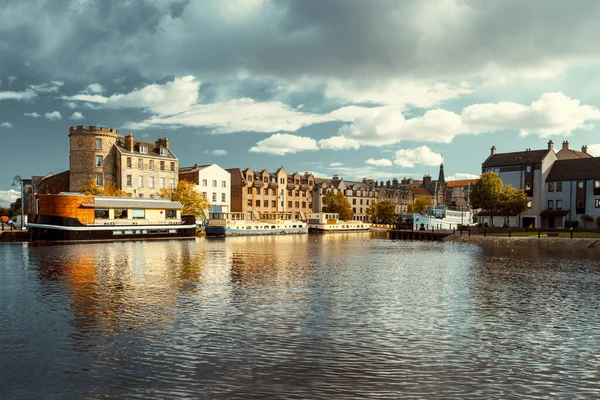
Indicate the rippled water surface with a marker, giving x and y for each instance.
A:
(330, 316)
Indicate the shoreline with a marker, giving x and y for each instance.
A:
(551, 242)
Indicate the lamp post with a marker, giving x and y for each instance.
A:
(17, 178)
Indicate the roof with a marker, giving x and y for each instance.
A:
(516, 158)
(194, 168)
(463, 182)
(550, 213)
(125, 202)
(568, 154)
(575, 169)
(153, 149)
(420, 191)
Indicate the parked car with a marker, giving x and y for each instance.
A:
(16, 221)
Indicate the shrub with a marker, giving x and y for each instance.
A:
(571, 224)
(586, 218)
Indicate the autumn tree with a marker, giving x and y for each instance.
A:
(193, 202)
(383, 212)
(337, 203)
(490, 194)
(109, 189)
(419, 205)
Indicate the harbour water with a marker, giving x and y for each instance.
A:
(309, 317)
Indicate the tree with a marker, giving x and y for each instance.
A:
(420, 204)
(490, 194)
(383, 212)
(193, 202)
(513, 201)
(109, 189)
(337, 203)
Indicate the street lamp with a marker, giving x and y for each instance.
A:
(18, 179)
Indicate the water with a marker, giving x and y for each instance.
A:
(320, 317)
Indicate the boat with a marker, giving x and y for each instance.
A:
(236, 224)
(74, 216)
(442, 217)
(330, 222)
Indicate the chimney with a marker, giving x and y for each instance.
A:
(565, 145)
(584, 148)
(395, 183)
(164, 142)
(550, 145)
(129, 142)
(335, 178)
(493, 152)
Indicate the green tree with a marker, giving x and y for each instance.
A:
(420, 204)
(337, 203)
(193, 202)
(513, 201)
(490, 194)
(383, 212)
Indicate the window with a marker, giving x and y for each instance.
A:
(580, 184)
(528, 169)
(128, 162)
(162, 165)
(214, 197)
(98, 161)
(172, 183)
(138, 214)
(101, 213)
(289, 192)
(559, 186)
(170, 214)
(257, 203)
(140, 181)
(223, 197)
(151, 182)
(204, 182)
(163, 152)
(249, 203)
(354, 201)
(550, 204)
(151, 196)
(98, 144)
(141, 195)
(249, 190)
(151, 165)
(297, 204)
(303, 204)
(529, 204)
(223, 184)
(162, 183)
(266, 203)
(172, 167)
(551, 186)
(128, 180)
(282, 180)
(596, 184)
(597, 203)
(144, 149)
(310, 205)
(205, 195)
(140, 163)
(100, 179)
(290, 204)
(120, 213)
(214, 183)
(559, 204)
(273, 203)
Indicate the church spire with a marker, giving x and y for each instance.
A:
(441, 177)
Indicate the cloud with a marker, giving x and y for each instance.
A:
(284, 143)
(11, 79)
(379, 163)
(53, 116)
(32, 115)
(9, 196)
(461, 176)
(420, 155)
(594, 150)
(219, 152)
(6, 125)
(336, 164)
(71, 104)
(95, 88)
(26, 95)
(77, 115)
(170, 98)
(51, 87)
(339, 143)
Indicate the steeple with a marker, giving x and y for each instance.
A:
(441, 177)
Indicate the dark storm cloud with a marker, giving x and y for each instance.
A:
(355, 40)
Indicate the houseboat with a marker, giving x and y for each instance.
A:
(330, 222)
(442, 217)
(73, 216)
(235, 223)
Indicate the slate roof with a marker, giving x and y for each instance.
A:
(153, 149)
(420, 191)
(516, 158)
(195, 168)
(575, 169)
(124, 202)
(568, 154)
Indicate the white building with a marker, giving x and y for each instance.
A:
(213, 182)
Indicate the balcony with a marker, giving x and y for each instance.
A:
(273, 185)
(291, 186)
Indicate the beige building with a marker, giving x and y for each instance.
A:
(136, 167)
(359, 194)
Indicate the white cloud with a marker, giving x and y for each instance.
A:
(283, 143)
(336, 164)
(594, 150)
(77, 115)
(170, 98)
(94, 88)
(9, 196)
(339, 143)
(383, 162)
(11, 79)
(32, 115)
(51, 87)
(219, 152)
(53, 116)
(28, 94)
(461, 176)
(6, 125)
(420, 155)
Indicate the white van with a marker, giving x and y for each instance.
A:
(16, 221)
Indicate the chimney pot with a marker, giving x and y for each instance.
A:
(493, 151)
(129, 142)
(565, 145)
(550, 145)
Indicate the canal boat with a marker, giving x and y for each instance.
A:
(330, 222)
(236, 224)
(73, 216)
(442, 217)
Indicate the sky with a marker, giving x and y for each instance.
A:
(378, 89)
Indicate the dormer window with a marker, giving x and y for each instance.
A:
(163, 151)
(144, 149)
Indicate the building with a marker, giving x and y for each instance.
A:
(457, 192)
(359, 194)
(213, 182)
(136, 167)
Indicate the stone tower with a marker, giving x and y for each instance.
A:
(91, 156)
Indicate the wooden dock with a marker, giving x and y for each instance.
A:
(397, 234)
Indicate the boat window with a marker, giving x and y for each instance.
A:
(171, 214)
(138, 213)
(248, 227)
(273, 227)
(101, 213)
(120, 213)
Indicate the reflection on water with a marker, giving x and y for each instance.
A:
(300, 316)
